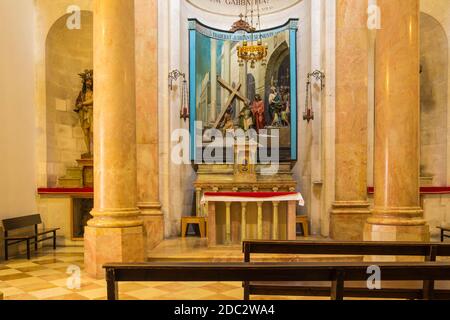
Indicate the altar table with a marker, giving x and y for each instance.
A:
(291, 198)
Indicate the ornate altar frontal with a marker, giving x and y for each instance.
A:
(243, 125)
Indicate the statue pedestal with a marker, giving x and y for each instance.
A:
(87, 166)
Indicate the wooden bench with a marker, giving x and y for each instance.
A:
(427, 250)
(30, 237)
(337, 273)
(443, 232)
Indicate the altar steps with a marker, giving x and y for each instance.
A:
(195, 250)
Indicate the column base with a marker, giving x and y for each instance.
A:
(153, 219)
(347, 220)
(153, 230)
(380, 232)
(397, 224)
(104, 245)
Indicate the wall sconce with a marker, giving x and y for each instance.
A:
(184, 109)
(308, 114)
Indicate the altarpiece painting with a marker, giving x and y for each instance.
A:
(227, 93)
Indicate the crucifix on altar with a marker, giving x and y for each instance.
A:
(235, 93)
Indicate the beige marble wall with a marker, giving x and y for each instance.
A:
(68, 53)
(434, 99)
(439, 10)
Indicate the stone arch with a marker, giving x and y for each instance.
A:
(433, 100)
(67, 53)
(279, 55)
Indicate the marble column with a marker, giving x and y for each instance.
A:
(243, 221)
(115, 234)
(260, 220)
(147, 143)
(351, 208)
(275, 220)
(397, 215)
(227, 223)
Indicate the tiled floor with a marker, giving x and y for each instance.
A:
(45, 277)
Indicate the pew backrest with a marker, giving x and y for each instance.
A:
(429, 250)
(337, 273)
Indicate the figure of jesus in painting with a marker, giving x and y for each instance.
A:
(258, 113)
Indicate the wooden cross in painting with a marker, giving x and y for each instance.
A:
(235, 93)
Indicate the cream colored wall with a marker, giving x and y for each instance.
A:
(17, 129)
(17, 105)
(437, 207)
(433, 98)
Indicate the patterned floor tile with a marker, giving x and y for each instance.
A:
(146, 294)
(30, 269)
(219, 287)
(172, 287)
(47, 261)
(50, 293)
(93, 294)
(43, 272)
(37, 287)
(25, 281)
(21, 264)
(23, 296)
(14, 276)
(11, 291)
(9, 271)
(221, 297)
(71, 296)
(130, 286)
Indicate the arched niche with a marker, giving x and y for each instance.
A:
(68, 52)
(433, 101)
(277, 60)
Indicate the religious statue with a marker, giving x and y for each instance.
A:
(246, 118)
(285, 109)
(275, 107)
(228, 123)
(258, 113)
(85, 109)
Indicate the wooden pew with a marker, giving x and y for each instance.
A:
(430, 251)
(337, 273)
(29, 237)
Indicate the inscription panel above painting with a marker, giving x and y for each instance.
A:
(234, 7)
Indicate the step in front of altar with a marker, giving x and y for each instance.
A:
(196, 250)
